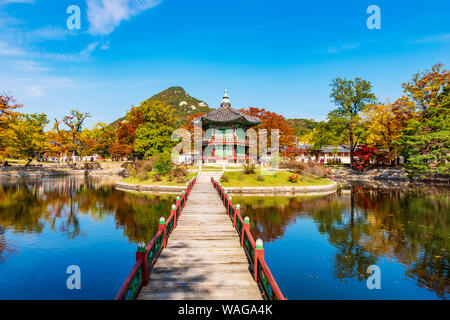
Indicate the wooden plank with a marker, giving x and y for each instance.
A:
(203, 258)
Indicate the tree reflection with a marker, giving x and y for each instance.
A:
(411, 225)
(27, 207)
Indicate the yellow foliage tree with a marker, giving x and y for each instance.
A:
(385, 122)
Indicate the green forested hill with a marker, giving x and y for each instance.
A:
(302, 126)
(178, 98)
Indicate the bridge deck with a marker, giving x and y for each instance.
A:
(203, 258)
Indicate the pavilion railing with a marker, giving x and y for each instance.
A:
(146, 256)
(253, 249)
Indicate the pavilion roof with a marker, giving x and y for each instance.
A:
(227, 114)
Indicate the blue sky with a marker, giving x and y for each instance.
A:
(280, 55)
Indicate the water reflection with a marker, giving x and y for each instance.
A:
(30, 206)
(409, 226)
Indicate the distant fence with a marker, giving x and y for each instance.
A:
(254, 249)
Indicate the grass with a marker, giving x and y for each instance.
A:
(164, 180)
(239, 179)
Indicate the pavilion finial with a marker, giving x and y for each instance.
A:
(226, 100)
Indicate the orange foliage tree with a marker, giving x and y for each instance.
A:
(126, 134)
(7, 106)
(270, 121)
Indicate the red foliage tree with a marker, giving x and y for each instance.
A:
(362, 157)
(126, 134)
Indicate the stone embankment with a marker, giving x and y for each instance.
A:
(394, 174)
(52, 170)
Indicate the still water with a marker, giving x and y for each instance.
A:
(48, 225)
(317, 247)
(320, 247)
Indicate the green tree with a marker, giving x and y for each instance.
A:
(103, 136)
(351, 96)
(154, 135)
(425, 142)
(27, 137)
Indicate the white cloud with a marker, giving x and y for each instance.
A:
(441, 38)
(35, 91)
(48, 33)
(105, 15)
(345, 47)
(29, 65)
(7, 49)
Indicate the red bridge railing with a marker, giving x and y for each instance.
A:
(254, 249)
(146, 256)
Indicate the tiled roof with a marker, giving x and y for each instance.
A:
(326, 148)
(227, 114)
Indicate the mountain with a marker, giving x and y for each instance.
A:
(302, 126)
(181, 101)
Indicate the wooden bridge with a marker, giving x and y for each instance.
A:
(209, 252)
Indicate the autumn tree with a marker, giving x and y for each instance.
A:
(188, 125)
(271, 121)
(351, 97)
(154, 136)
(103, 137)
(385, 123)
(425, 141)
(59, 141)
(126, 134)
(75, 122)
(27, 136)
(7, 106)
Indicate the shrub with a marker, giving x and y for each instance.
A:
(156, 177)
(224, 178)
(293, 178)
(315, 169)
(334, 161)
(179, 171)
(140, 168)
(163, 164)
(260, 178)
(249, 168)
(294, 166)
(180, 180)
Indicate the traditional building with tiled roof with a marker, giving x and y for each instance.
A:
(225, 134)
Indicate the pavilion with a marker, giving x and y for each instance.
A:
(224, 141)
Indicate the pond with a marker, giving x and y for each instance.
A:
(317, 247)
(47, 225)
(321, 247)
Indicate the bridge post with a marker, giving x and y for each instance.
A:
(230, 203)
(183, 196)
(259, 253)
(162, 227)
(236, 213)
(174, 213)
(246, 226)
(141, 254)
(177, 202)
